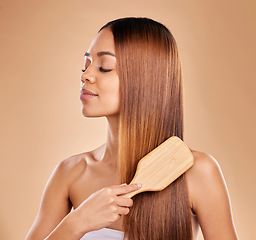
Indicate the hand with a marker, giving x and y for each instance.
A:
(104, 207)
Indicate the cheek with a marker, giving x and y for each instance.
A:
(109, 88)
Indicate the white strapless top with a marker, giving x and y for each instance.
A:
(104, 233)
(112, 234)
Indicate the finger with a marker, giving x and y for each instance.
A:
(123, 210)
(124, 202)
(123, 189)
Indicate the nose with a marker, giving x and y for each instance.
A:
(86, 76)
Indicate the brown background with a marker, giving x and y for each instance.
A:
(42, 46)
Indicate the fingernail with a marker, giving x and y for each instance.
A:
(139, 184)
(124, 184)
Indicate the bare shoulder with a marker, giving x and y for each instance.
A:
(204, 163)
(209, 197)
(55, 203)
(73, 162)
(73, 166)
(205, 175)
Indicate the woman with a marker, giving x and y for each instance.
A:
(132, 76)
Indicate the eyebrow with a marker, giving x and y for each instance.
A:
(99, 54)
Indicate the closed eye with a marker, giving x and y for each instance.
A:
(101, 70)
(104, 70)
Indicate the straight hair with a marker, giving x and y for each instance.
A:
(151, 111)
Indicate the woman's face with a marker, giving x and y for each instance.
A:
(100, 77)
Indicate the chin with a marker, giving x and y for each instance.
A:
(97, 115)
(91, 113)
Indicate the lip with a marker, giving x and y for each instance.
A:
(87, 96)
(86, 91)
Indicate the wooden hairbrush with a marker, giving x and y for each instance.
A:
(160, 167)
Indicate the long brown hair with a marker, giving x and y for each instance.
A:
(151, 110)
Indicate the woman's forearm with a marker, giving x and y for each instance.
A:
(99, 210)
(67, 229)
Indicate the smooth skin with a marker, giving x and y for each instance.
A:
(89, 181)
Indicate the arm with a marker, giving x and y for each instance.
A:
(101, 209)
(211, 200)
(54, 206)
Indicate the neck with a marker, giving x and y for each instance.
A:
(110, 152)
